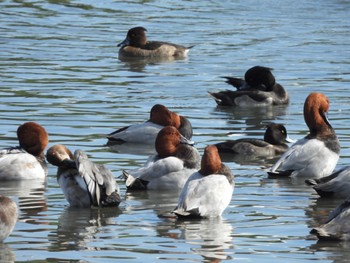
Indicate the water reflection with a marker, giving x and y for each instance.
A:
(77, 227)
(264, 162)
(337, 252)
(319, 210)
(293, 184)
(255, 118)
(30, 197)
(210, 238)
(161, 202)
(131, 148)
(139, 64)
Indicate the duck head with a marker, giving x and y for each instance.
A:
(57, 154)
(136, 37)
(33, 138)
(315, 108)
(168, 141)
(163, 116)
(211, 161)
(260, 78)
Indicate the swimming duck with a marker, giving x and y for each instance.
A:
(175, 161)
(146, 133)
(8, 216)
(274, 142)
(207, 192)
(337, 225)
(26, 161)
(83, 182)
(317, 154)
(136, 45)
(335, 185)
(259, 88)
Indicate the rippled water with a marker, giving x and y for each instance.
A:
(59, 67)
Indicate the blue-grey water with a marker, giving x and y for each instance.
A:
(59, 67)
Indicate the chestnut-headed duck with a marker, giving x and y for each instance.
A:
(337, 225)
(8, 216)
(274, 143)
(169, 169)
(136, 45)
(146, 132)
(83, 182)
(335, 185)
(26, 161)
(207, 192)
(317, 154)
(259, 88)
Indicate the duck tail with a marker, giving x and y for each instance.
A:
(133, 183)
(311, 182)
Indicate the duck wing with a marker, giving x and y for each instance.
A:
(96, 176)
(145, 132)
(299, 156)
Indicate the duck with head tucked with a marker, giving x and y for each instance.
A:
(274, 143)
(175, 161)
(335, 185)
(136, 45)
(8, 216)
(259, 88)
(83, 182)
(207, 192)
(317, 154)
(146, 133)
(26, 161)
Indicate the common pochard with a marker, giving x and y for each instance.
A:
(146, 132)
(26, 161)
(317, 154)
(83, 182)
(207, 192)
(169, 169)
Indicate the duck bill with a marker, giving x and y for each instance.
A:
(126, 42)
(325, 118)
(244, 86)
(288, 139)
(184, 140)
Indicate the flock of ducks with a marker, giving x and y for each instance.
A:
(205, 184)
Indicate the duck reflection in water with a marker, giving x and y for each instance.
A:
(77, 228)
(210, 238)
(30, 195)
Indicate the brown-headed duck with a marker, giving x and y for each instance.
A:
(207, 192)
(26, 161)
(146, 132)
(317, 154)
(136, 45)
(169, 169)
